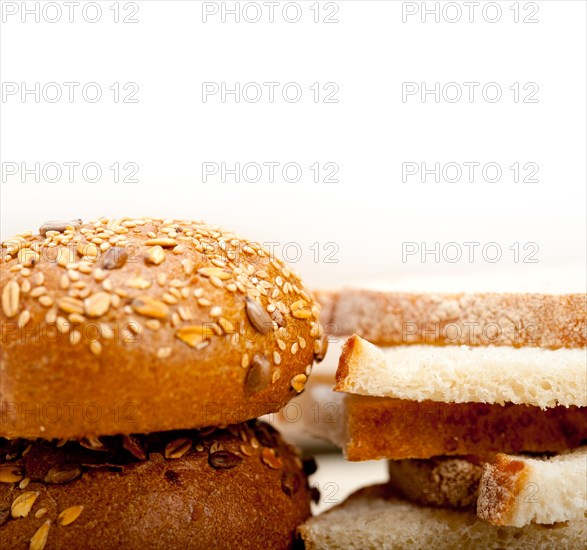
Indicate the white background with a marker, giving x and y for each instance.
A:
(369, 133)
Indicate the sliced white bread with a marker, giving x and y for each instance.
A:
(375, 519)
(461, 374)
(516, 490)
(387, 317)
(513, 490)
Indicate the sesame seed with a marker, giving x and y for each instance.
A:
(38, 291)
(11, 299)
(163, 353)
(23, 318)
(153, 324)
(162, 242)
(216, 311)
(51, 316)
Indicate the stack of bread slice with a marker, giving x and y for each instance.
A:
(478, 403)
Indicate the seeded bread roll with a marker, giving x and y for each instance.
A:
(243, 487)
(142, 325)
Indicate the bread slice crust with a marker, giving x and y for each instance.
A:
(519, 490)
(385, 428)
(475, 319)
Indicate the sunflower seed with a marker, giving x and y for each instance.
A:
(63, 473)
(10, 299)
(114, 258)
(269, 458)
(39, 539)
(258, 375)
(24, 483)
(97, 304)
(40, 513)
(59, 226)
(223, 460)
(145, 305)
(178, 447)
(69, 515)
(10, 474)
(22, 504)
(258, 317)
(298, 382)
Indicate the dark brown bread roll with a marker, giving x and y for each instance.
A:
(242, 487)
(141, 325)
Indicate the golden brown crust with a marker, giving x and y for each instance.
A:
(343, 368)
(242, 487)
(393, 318)
(133, 326)
(379, 427)
(504, 481)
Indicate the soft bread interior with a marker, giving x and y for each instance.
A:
(372, 518)
(461, 374)
(517, 490)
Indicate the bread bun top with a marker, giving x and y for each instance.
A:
(240, 487)
(184, 323)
